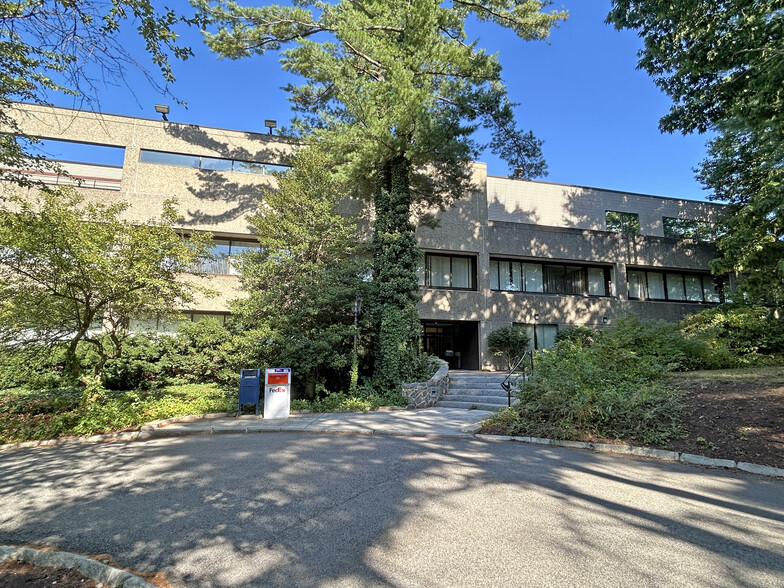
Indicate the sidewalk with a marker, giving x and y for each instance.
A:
(421, 422)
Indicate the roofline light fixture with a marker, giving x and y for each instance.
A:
(270, 124)
(163, 110)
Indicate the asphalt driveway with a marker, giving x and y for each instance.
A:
(309, 509)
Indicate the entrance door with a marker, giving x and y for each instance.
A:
(456, 342)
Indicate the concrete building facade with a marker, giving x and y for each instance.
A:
(536, 254)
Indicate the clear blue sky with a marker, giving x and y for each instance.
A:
(580, 93)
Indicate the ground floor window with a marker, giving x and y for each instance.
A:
(674, 286)
(170, 325)
(539, 336)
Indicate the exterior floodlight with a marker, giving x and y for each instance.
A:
(163, 110)
(270, 124)
(536, 316)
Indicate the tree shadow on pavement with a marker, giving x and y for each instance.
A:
(323, 510)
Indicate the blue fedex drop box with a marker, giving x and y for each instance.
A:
(250, 388)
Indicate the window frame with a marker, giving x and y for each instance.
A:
(424, 278)
(674, 279)
(626, 220)
(543, 265)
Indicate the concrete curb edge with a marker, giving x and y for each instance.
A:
(153, 430)
(95, 570)
(660, 454)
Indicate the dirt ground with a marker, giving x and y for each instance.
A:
(734, 414)
(14, 574)
(730, 414)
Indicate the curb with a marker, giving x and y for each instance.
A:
(153, 430)
(660, 454)
(95, 570)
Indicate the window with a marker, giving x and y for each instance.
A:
(518, 276)
(622, 222)
(685, 228)
(209, 163)
(171, 325)
(540, 336)
(675, 286)
(226, 254)
(448, 271)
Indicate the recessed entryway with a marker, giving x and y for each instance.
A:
(456, 342)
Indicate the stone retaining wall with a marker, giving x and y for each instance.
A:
(427, 394)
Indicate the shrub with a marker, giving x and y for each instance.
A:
(578, 334)
(582, 391)
(659, 340)
(744, 333)
(366, 398)
(26, 415)
(138, 366)
(509, 344)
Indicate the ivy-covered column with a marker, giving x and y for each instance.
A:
(395, 259)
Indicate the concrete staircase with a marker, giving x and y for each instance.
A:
(474, 389)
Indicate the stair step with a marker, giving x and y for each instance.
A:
(470, 405)
(470, 398)
(494, 391)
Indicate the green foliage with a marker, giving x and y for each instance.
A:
(48, 414)
(393, 93)
(70, 269)
(302, 284)
(744, 168)
(508, 343)
(208, 352)
(744, 334)
(660, 341)
(66, 47)
(577, 334)
(607, 383)
(601, 389)
(726, 78)
(363, 400)
(596, 390)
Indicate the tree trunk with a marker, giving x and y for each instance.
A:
(395, 259)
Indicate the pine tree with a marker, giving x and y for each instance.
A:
(393, 92)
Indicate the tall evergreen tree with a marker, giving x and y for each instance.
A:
(394, 92)
(723, 67)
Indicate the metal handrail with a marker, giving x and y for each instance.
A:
(507, 384)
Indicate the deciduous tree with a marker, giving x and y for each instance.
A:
(74, 48)
(72, 271)
(721, 63)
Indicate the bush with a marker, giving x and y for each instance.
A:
(582, 391)
(509, 344)
(744, 334)
(137, 368)
(661, 341)
(578, 334)
(364, 400)
(26, 415)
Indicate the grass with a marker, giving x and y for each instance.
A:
(33, 415)
(771, 375)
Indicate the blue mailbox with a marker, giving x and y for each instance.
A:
(250, 386)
